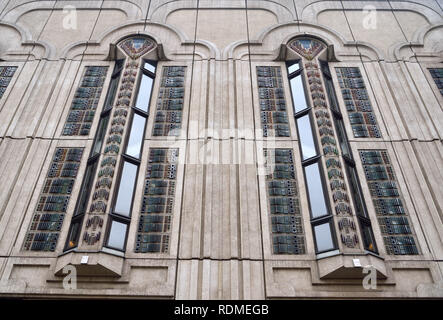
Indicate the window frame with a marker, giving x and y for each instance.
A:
(349, 163)
(115, 216)
(119, 219)
(328, 217)
(94, 157)
(112, 91)
(150, 74)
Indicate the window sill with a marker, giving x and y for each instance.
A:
(92, 264)
(327, 254)
(349, 266)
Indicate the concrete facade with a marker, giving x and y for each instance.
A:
(220, 243)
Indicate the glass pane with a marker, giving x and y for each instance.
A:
(118, 66)
(298, 94)
(315, 189)
(356, 191)
(136, 136)
(323, 237)
(149, 67)
(368, 238)
(342, 138)
(293, 67)
(331, 94)
(144, 93)
(73, 236)
(86, 188)
(306, 138)
(111, 92)
(117, 235)
(103, 124)
(126, 189)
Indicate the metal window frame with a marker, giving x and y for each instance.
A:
(114, 216)
(349, 162)
(328, 218)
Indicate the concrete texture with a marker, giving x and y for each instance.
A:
(220, 246)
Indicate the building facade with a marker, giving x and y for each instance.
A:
(221, 149)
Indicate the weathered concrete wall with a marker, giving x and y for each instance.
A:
(222, 248)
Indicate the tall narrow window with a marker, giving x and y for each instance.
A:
(112, 91)
(88, 180)
(355, 188)
(321, 216)
(120, 214)
(82, 203)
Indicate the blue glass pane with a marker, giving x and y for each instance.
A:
(323, 237)
(117, 235)
(144, 93)
(126, 189)
(315, 189)
(306, 138)
(136, 136)
(298, 94)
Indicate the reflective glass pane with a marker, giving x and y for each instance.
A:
(86, 188)
(73, 236)
(306, 138)
(368, 238)
(342, 138)
(331, 94)
(315, 188)
(117, 235)
(111, 92)
(356, 191)
(298, 94)
(293, 67)
(126, 189)
(144, 93)
(98, 142)
(136, 136)
(149, 67)
(323, 237)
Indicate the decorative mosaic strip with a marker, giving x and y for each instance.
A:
(284, 207)
(135, 47)
(168, 116)
(272, 101)
(436, 73)
(355, 95)
(158, 201)
(48, 218)
(6, 74)
(85, 102)
(392, 218)
(307, 48)
(347, 227)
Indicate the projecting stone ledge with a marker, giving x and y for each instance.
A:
(350, 266)
(91, 264)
